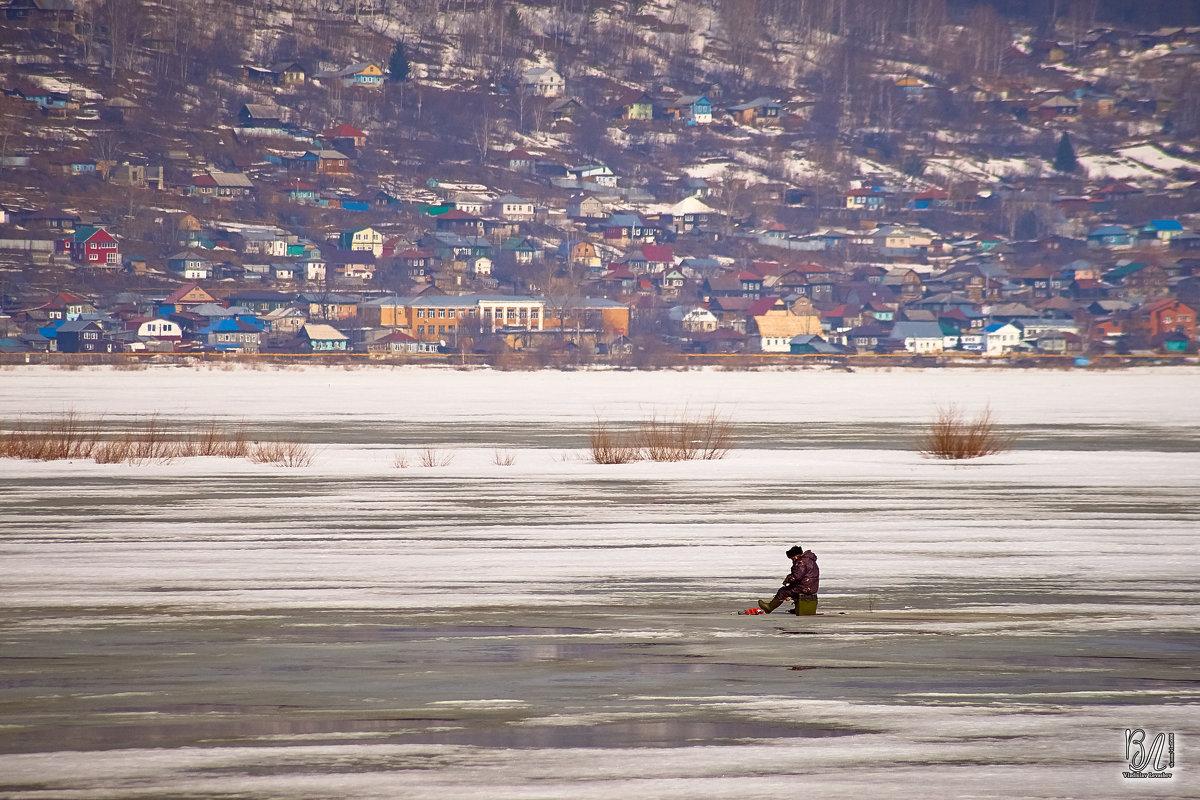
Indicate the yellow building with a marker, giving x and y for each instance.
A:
(778, 324)
(584, 254)
(437, 318)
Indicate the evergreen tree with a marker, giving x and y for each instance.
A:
(1064, 159)
(398, 64)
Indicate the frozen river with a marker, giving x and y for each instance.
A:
(553, 628)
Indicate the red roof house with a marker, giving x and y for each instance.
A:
(341, 135)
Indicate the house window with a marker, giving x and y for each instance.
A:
(441, 313)
(420, 330)
(450, 313)
(420, 313)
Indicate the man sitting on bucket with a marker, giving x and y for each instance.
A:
(800, 584)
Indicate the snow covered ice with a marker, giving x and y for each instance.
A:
(557, 628)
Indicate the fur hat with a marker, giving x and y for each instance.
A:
(795, 551)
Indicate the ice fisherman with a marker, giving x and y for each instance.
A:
(799, 585)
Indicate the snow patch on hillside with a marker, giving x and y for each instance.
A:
(1154, 158)
(991, 170)
(1106, 167)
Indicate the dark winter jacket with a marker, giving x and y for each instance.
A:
(804, 575)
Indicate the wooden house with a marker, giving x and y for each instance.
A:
(50, 14)
(366, 239)
(565, 108)
(692, 109)
(635, 104)
(233, 335)
(585, 206)
(289, 73)
(261, 115)
(543, 82)
(299, 191)
(584, 253)
(95, 247)
(344, 137)
(325, 162)
(366, 74)
(187, 296)
(1057, 106)
(514, 208)
(355, 265)
(775, 324)
(395, 342)
(321, 338)
(191, 265)
(520, 160)
(82, 336)
(865, 199)
(911, 87)
(761, 110)
(220, 186)
(459, 222)
(1113, 237)
(53, 218)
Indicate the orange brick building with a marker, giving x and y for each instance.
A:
(1165, 316)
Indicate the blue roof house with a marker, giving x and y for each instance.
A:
(1110, 236)
(1160, 232)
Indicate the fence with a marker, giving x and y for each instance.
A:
(518, 360)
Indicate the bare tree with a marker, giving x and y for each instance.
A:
(485, 127)
(743, 28)
(124, 21)
(106, 148)
(988, 37)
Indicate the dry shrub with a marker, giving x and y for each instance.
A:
(146, 446)
(503, 458)
(71, 437)
(707, 438)
(285, 454)
(952, 436)
(713, 435)
(432, 457)
(687, 438)
(611, 448)
(664, 441)
(212, 440)
(128, 364)
(68, 437)
(116, 451)
(71, 362)
(400, 461)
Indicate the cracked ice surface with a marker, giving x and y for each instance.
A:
(556, 628)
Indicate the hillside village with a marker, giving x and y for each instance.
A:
(590, 180)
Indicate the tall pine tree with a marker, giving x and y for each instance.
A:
(398, 64)
(1064, 159)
